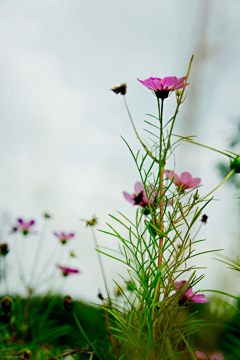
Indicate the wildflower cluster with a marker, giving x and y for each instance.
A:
(151, 313)
(160, 242)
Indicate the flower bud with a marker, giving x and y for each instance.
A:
(91, 222)
(100, 296)
(68, 303)
(235, 164)
(204, 218)
(46, 215)
(146, 211)
(118, 291)
(179, 92)
(122, 89)
(4, 249)
(25, 355)
(6, 305)
(130, 285)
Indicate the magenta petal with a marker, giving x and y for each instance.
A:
(31, 223)
(181, 86)
(21, 221)
(157, 84)
(180, 81)
(56, 234)
(138, 188)
(199, 298)
(194, 183)
(129, 197)
(200, 355)
(185, 178)
(71, 235)
(181, 284)
(217, 356)
(147, 83)
(169, 82)
(189, 293)
(171, 174)
(71, 271)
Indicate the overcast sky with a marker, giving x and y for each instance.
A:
(60, 141)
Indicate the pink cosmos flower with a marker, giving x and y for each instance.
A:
(185, 181)
(139, 197)
(24, 226)
(63, 237)
(66, 271)
(162, 87)
(215, 356)
(188, 295)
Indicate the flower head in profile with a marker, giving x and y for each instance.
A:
(186, 294)
(122, 89)
(162, 87)
(184, 182)
(24, 226)
(67, 271)
(63, 237)
(200, 355)
(68, 302)
(4, 249)
(92, 222)
(140, 197)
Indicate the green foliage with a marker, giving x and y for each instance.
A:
(48, 333)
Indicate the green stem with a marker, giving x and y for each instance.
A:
(100, 263)
(134, 127)
(5, 274)
(81, 328)
(160, 114)
(226, 178)
(37, 253)
(177, 109)
(207, 147)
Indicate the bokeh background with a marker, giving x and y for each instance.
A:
(61, 149)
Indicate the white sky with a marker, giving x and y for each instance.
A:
(60, 144)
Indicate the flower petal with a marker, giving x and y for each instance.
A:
(129, 197)
(185, 178)
(199, 298)
(170, 175)
(194, 183)
(138, 188)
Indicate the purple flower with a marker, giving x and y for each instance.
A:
(24, 226)
(185, 181)
(66, 271)
(63, 237)
(215, 356)
(161, 87)
(139, 197)
(187, 294)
